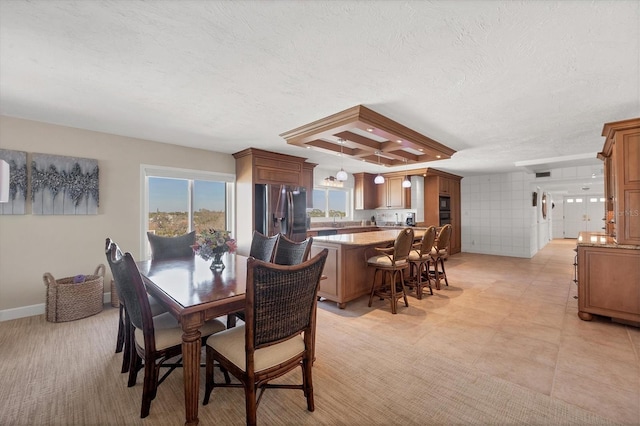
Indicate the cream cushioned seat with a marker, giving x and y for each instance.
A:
(168, 332)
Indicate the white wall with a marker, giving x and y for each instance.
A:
(69, 245)
(497, 215)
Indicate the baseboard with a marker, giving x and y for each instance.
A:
(33, 310)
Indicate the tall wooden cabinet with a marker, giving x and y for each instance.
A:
(608, 265)
(442, 204)
(255, 166)
(621, 155)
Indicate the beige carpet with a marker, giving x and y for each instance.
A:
(68, 374)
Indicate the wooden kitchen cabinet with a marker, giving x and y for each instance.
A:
(391, 194)
(307, 181)
(255, 166)
(608, 278)
(608, 264)
(621, 154)
(435, 182)
(365, 192)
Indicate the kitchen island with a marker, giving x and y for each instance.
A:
(348, 276)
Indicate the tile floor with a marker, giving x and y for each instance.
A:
(516, 319)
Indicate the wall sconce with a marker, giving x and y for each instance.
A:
(332, 181)
(4, 181)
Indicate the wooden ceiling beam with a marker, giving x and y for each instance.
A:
(391, 138)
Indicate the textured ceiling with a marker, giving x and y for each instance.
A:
(499, 82)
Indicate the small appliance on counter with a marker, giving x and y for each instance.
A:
(411, 219)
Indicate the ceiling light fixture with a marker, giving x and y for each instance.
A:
(379, 180)
(406, 183)
(341, 175)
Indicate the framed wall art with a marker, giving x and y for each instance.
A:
(18, 186)
(64, 185)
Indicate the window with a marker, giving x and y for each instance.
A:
(329, 202)
(178, 201)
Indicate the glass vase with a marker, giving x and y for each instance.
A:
(216, 263)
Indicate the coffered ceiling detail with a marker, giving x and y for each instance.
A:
(364, 134)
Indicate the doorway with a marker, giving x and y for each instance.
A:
(583, 213)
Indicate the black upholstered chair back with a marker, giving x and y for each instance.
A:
(131, 289)
(171, 247)
(289, 252)
(263, 247)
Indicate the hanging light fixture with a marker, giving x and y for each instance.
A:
(379, 180)
(341, 175)
(406, 183)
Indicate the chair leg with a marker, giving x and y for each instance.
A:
(120, 338)
(209, 380)
(307, 383)
(373, 285)
(404, 289)
(135, 362)
(392, 285)
(446, 281)
(231, 320)
(251, 404)
(427, 276)
(128, 346)
(150, 386)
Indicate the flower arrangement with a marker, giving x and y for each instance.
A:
(211, 242)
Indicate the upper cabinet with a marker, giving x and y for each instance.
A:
(391, 194)
(365, 192)
(621, 155)
(307, 181)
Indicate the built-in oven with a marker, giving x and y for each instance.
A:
(445, 218)
(445, 204)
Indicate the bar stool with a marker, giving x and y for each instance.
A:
(391, 261)
(419, 259)
(438, 253)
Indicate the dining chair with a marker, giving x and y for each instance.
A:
(262, 248)
(124, 325)
(289, 252)
(439, 253)
(392, 262)
(155, 339)
(170, 247)
(161, 248)
(278, 335)
(419, 259)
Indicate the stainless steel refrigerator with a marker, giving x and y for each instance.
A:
(281, 209)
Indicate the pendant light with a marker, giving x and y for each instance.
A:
(379, 180)
(406, 183)
(341, 175)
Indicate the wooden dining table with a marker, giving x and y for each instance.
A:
(193, 294)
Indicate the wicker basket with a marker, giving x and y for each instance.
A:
(115, 300)
(69, 301)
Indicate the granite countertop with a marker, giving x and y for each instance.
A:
(324, 228)
(600, 239)
(365, 238)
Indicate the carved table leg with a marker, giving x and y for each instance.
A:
(191, 346)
